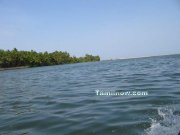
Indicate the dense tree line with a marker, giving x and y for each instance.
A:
(15, 58)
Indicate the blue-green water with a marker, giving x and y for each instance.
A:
(61, 100)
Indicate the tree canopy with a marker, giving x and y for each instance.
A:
(15, 58)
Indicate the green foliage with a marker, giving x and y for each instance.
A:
(15, 58)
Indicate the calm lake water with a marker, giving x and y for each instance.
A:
(61, 100)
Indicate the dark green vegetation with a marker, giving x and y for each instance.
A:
(15, 58)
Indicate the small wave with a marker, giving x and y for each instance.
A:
(168, 125)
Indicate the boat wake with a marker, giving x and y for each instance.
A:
(169, 123)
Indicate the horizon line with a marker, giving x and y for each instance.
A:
(142, 57)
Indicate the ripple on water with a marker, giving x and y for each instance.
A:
(62, 99)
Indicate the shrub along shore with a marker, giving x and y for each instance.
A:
(18, 59)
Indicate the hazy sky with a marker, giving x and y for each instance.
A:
(109, 28)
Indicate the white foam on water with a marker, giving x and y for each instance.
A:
(168, 125)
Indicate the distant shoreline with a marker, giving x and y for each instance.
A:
(12, 68)
(14, 59)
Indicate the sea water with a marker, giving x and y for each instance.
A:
(62, 99)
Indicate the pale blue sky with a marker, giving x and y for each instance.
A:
(109, 28)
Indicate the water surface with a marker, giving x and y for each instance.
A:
(62, 100)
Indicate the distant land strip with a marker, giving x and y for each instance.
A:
(14, 59)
